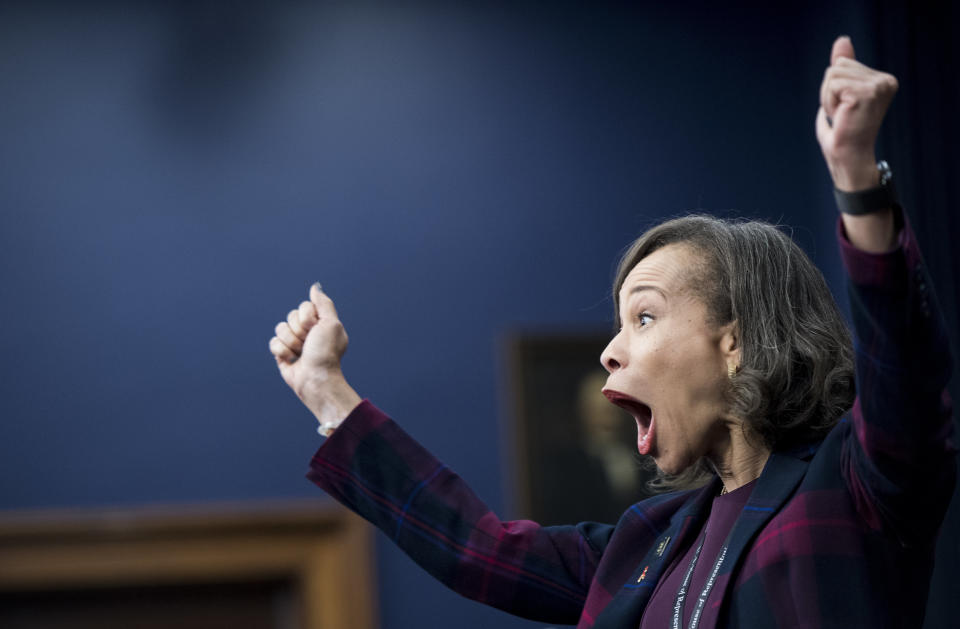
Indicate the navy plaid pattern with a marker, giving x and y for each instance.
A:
(840, 534)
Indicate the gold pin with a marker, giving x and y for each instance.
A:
(663, 546)
(643, 575)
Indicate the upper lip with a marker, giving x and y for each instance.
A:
(628, 402)
(641, 412)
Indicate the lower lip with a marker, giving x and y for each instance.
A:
(646, 442)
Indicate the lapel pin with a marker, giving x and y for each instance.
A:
(643, 575)
(662, 546)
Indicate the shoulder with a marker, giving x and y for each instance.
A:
(655, 513)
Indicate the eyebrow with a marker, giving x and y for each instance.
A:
(642, 287)
(639, 288)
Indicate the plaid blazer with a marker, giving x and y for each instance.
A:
(839, 534)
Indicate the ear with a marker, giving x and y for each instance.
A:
(730, 345)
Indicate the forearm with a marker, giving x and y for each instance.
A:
(373, 467)
(901, 461)
(873, 233)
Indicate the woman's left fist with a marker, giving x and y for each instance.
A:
(853, 102)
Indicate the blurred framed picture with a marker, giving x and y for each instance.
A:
(576, 452)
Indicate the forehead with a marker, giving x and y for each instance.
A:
(669, 268)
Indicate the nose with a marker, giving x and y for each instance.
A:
(612, 357)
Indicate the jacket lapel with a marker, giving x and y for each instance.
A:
(780, 477)
(628, 603)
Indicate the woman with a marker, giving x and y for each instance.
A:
(818, 510)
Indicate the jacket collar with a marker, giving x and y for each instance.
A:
(780, 477)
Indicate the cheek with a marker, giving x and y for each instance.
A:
(690, 376)
(680, 358)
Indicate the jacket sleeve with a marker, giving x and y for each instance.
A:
(374, 468)
(900, 464)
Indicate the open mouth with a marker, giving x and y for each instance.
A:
(641, 413)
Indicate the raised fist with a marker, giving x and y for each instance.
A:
(853, 101)
(308, 347)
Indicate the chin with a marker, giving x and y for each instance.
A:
(669, 470)
(670, 466)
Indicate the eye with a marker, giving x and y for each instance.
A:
(644, 318)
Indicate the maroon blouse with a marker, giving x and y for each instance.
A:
(723, 515)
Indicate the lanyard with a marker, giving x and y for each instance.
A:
(702, 599)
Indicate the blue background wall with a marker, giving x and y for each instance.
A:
(175, 175)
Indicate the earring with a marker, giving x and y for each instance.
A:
(732, 371)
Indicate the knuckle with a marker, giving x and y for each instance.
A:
(307, 312)
(883, 85)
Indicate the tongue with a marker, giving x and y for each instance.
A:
(645, 437)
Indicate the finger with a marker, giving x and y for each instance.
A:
(850, 68)
(302, 319)
(293, 320)
(281, 351)
(285, 334)
(848, 75)
(825, 88)
(324, 305)
(848, 91)
(308, 315)
(829, 97)
(869, 86)
(842, 47)
(823, 126)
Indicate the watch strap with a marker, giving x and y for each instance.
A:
(871, 200)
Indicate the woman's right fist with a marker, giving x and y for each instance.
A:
(308, 347)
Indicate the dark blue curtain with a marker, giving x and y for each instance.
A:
(916, 42)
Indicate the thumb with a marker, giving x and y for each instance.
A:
(323, 304)
(842, 47)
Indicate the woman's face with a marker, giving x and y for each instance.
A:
(668, 365)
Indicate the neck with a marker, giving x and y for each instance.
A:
(738, 459)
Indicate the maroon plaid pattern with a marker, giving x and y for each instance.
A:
(838, 534)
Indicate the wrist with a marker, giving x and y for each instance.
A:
(331, 398)
(853, 175)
